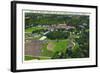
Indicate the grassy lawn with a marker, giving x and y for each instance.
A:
(44, 58)
(34, 29)
(45, 51)
(27, 58)
(58, 47)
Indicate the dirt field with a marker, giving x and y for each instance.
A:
(33, 47)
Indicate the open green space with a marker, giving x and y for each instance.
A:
(59, 46)
(34, 29)
(27, 58)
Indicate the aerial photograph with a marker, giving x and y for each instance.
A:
(55, 36)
